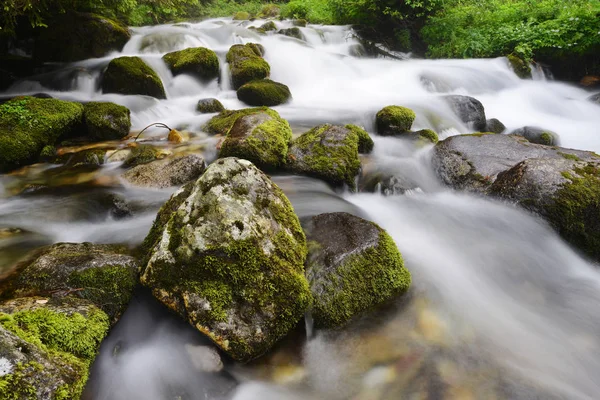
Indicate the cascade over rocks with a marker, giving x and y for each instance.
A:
(264, 92)
(131, 75)
(227, 253)
(166, 173)
(469, 110)
(199, 62)
(537, 135)
(209, 106)
(106, 121)
(246, 64)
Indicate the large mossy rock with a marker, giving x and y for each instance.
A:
(47, 346)
(264, 92)
(227, 254)
(102, 274)
(221, 124)
(469, 110)
(106, 121)
(353, 266)
(246, 64)
(261, 138)
(394, 120)
(79, 36)
(166, 173)
(199, 62)
(131, 75)
(28, 124)
(327, 152)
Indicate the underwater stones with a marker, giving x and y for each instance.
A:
(208, 106)
(469, 110)
(327, 152)
(28, 124)
(267, 27)
(293, 32)
(537, 135)
(106, 121)
(226, 253)
(394, 120)
(246, 64)
(221, 124)
(132, 76)
(494, 125)
(520, 67)
(264, 92)
(78, 36)
(261, 138)
(166, 173)
(424, 135)
(353, 265)
(102, 274)
(199, 62)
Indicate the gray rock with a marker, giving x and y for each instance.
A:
(469, 110)
(166, 173)
(494, 126)
(537, 135)
(208, 106)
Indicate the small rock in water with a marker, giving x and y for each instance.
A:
(537, 135)
(394, 120)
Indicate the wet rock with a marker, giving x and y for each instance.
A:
(166, 173)
(222, 123)
(394, 120)
(595, 98)
(142, 154)
(264, 92)
(246, 64)
(353, 265)
(28, 124)
(494, 126)
(294, 32)
(519, 66)
(131, 75)
(102, 274)
(47, 346)
(469, 110)
(328, 152)
(261, 138)
(106, 121)
(199, 62)
(267, 27)
(222, 251)
(365, 143)
(241, 16)
(208, 106)
(78, 36)
(537, 135)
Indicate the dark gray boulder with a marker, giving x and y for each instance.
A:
(469, 110)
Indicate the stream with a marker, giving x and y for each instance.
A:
(500, 308)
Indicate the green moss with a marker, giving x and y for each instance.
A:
(222, 123)
(547, 139)
(264, 92)
(569, 156)
(365, 143)
(106, 121)
(394, 120)
(131, 75)
(269, 11)
(246, 65)
(200, 62)
(17, 385)
(428, 135)
(241, 16)
(268, 26)
(47, 154)
(141, 155)
(521, 68)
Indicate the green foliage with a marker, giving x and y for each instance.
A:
(313, 11)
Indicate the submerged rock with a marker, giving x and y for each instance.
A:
(353, 265)
(267, 27)
(208, 106)
(199, 62)
(246, 64)
(469, 110)
(106, 121)
(294, 32)
(394, 120)
(166, 173)
(537, 135)
(227, 254)
(131, 75)
(264, 92)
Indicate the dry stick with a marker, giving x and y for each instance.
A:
(158, 124)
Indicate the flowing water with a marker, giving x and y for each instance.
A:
(500, 306)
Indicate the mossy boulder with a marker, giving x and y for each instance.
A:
(228, 257)
(28, 124)
(494, 125)
(222, 123)
(267, 27)
(102, 274)
(246, 64)
(327, 152)
(106, 121)
(130, 76)
(394, 120)
(166, 173)
(426, 136)
(519, 66)
(365, 143)
(537, 135)
(199, 62)
(208, 106)
(47, 346)
(142, 154)
(470, 111)
(264, 92)
(293, 32)
(79, 36)
(353, 266)
(241, 16)
(261, 138)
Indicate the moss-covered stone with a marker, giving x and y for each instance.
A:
(131, 75)
(267, 27)
(519, 66)
(261, 138)
(427, 135)
(365, 143)
(28, 124)
(264, 92)
(393, 120)
(246, 65)
(208, 106)
(294, 32)
(353, 265)
(538, 135)
(241, 16)
(222, 123)
(142, 154)
(200, 62)
(106, 121)
(230, 259)
(327, 152)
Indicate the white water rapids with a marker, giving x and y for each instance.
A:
(501, 306)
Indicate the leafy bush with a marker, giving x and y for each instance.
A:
(314, 11)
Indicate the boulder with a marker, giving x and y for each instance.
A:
(106, 121)
(166, 173)
(246, 64)
(227, 254)
(394, 120)
(78, 36)
(267, 27)
(131, 75)
(199, 62)
(386, 183)
(47, 346)
(261, 138)
(28, 124)
(241, 16)
(537, 135)
(425, 136)
(264, 92)
(520, 67)
(222, 123)
(327, 152)
(365, 143)
(353, 266)
(102, 274)
(494, 125)
(208, 106)
(469, 110)
(595, 98)
(294, 32)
